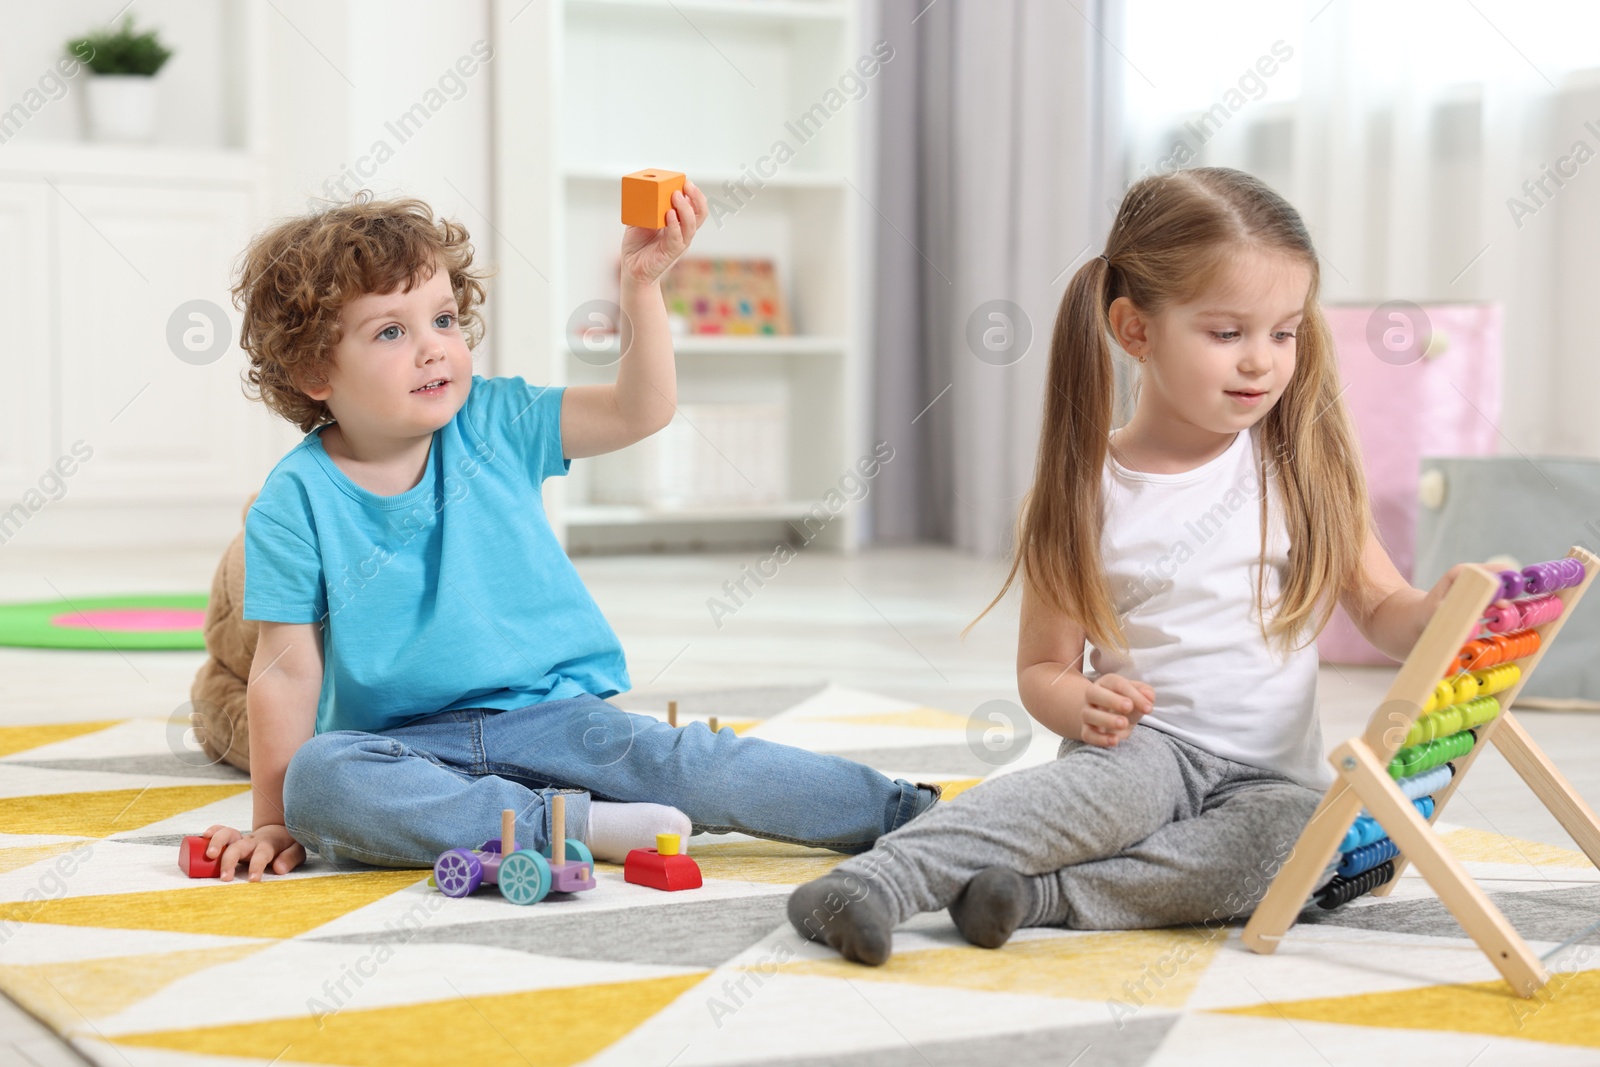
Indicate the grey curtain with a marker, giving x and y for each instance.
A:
(998, 160)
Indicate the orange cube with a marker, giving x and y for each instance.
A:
(647, 197)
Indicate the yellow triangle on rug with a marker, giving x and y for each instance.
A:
(12, 859)
(106, 812)
(1565, 1012)
(1134, 967)
(549, 1027)
(14, 739)
(65, 995)
(273, 907)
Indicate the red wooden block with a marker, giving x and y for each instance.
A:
(647, 196)
(192, 859)
(646, 866)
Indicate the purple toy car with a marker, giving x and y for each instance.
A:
(523, 875)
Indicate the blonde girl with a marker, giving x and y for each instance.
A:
(1198, 550)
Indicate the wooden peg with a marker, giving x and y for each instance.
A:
(712, 722)
(508, 832)
(558, 828)
(672, 713)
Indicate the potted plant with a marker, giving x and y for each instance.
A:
(121, 95)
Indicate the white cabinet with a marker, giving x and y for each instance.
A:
(27, 401)
(100, 248)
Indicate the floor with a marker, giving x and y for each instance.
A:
(886, 620)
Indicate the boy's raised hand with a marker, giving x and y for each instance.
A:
(1113, 706)
(263, 845)
(646, 254)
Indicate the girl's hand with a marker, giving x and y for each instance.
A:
(263, 845)
(1113, 706)
(1435, 596)
(646, 254)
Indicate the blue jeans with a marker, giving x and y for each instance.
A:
(401, 797)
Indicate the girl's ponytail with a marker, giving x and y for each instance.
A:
(1058, 526)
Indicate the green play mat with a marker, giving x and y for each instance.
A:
(123, 623)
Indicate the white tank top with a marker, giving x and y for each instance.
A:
(1181, 553)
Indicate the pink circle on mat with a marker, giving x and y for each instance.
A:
(132, 620)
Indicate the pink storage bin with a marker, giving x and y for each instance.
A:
(1443, 403)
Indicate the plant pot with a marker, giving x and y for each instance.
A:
(121, 107)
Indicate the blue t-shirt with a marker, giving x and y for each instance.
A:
(453, 594)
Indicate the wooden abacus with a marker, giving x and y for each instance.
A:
(1451, 696)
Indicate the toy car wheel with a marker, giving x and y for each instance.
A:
(524, 877)
(458, 873)
(577, 852)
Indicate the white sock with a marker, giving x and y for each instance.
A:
(617, 829)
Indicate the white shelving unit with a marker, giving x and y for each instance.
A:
(708, 87)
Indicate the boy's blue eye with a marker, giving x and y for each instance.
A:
(445, 320)
(1285, 335)
(1224, 335)
(389, 333)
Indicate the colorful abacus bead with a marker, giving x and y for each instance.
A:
(1497, 679)
(1367, 857)
(1366, 830)
(1414, 759)
(1343, 890)
(1483, 652)
(1426, 783)
(1536, 611)
(1520, 644)
(1502, 617)
(1474, 713)
(1512, 585)
(1556, 574)
(1476, 653)
(1537, 578)
(1464, 686)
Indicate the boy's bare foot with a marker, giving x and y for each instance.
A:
(846, 913)
(992, 906)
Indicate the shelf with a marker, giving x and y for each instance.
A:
(639, 515)
(728, 344)
(710, 181)
(130, 163)
(747, 11)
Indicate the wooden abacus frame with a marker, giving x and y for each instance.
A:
(1362, 766)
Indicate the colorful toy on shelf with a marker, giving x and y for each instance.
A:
(647, 197)
(726, 296)
(192, 859)
(523, 875)
(663, 867)
(1452, 694)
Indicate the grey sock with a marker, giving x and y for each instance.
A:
(992, 906)
(847, 913)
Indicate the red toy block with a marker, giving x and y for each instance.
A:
(647, 197)
(192, 859)
(662, 867)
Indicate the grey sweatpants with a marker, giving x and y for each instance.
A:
(1153, 832)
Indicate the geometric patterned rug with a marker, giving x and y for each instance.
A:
(105, 941)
